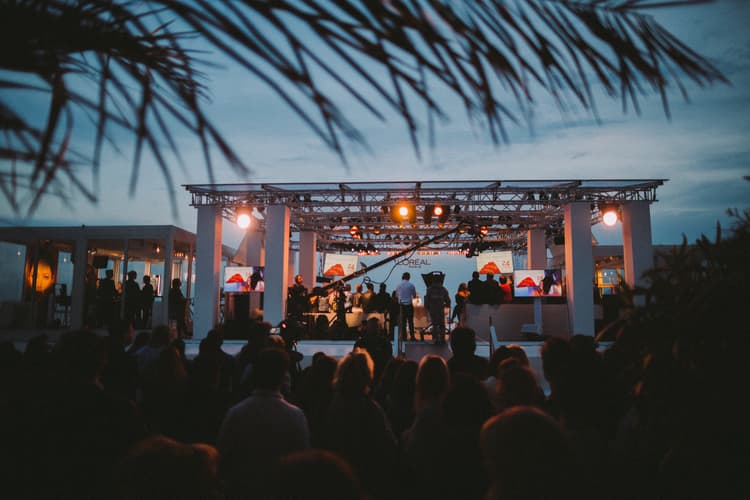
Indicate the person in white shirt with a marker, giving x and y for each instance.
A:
(405, 293)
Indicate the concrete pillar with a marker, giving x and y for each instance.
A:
(637, 252)
(277, 261)
(291, 268)
(78, 292)
(308, 242)
(579, 267)
(252, 250)
(207, 271)
(537, 249)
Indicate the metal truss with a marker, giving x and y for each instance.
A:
(506, 209)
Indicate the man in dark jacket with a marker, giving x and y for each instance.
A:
(436, 299)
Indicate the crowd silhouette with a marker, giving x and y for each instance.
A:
(130, 417)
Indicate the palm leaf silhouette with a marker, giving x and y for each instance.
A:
(147, 81)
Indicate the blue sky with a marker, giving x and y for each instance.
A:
(704, 150)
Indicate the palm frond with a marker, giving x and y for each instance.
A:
(396, 56)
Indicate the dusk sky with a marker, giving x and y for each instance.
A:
(704, 151)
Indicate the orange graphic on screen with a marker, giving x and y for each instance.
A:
(527, 281)
(335, 270)
(490, 268)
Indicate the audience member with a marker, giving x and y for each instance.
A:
(464, 360)
(316, 474)
(399, 404)
(355, 426)
(260, 430)
(120, 375)
(79, 432)
(160, 468)
(527, 457)
(423, 450)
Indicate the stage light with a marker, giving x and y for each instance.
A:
(404, 212)
(353, 229)
(243, 218)
(483, 230)
(376, 231)
(609, 215)
(441, 212)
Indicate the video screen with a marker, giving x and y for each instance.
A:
(496, 263)
(244, 279)
(537, 283)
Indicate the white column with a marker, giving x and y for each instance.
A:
(637, 251)
(308, 241)
(207, 271)
(579, 267)
(277, 260)
(78, 293)
(291, 269)
(251, 250)
(537, 248)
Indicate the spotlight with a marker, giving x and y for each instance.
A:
(376, 231)
(353, 229)
(243, 218)
(404, 212)
(441, 212)
(609, 215)
(483, 230)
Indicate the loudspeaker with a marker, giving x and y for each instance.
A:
(100, 261)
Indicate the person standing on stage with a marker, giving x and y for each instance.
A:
(132, 297)
(107, 299)
(492, 293)
(476, 287)
(298, 300)
(436, 299)
(462, 296)
(368, 299)
(177, 307)
(147, 302)
(405, 293)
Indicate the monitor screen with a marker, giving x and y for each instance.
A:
(496, 263)
(538, 283)
(244, 279)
